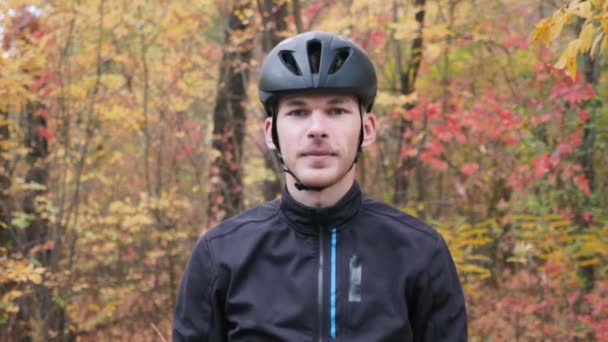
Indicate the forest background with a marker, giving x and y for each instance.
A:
(128, 128)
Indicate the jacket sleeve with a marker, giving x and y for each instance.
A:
(440, 307)
(198, 314)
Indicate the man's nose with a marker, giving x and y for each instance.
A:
(318, 126)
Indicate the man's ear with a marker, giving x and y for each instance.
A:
(369, 129)
(268, 133)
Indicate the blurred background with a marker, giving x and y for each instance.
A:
(129, 128)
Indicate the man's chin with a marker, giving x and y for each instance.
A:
(319, 180)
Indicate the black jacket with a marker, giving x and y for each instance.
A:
(357, 271)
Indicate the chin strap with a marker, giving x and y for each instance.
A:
(303, 187)
(299, 185)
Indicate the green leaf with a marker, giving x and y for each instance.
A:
(22, 220)
(35, 186)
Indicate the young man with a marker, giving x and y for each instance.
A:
(323, 263)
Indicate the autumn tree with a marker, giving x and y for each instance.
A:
(31, 231)
(274, 19)
(591, 39)
(226, 195)
(407, 81)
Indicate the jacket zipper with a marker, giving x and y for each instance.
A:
(320, 287)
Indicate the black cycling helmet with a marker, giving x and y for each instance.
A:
(317, 61)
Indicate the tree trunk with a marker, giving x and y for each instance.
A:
(7, 238)
(5, 181)
(445, 99)
(408, 81)
(226, 195)
(39, 317)
(591, 72)
(297, 16)
(48, 319)
(274, 17)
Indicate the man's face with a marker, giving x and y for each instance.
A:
(319, 135)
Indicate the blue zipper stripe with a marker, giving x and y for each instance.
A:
(332, 303)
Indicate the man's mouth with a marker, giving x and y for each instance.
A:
(317, 154)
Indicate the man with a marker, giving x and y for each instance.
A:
(323, 263)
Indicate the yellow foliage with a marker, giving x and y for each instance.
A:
(590, 262)
(20, 271)
(463, 239)
(390, 100)
(594, 30)
(256, 171)
(80, 89)
(474, 270)
(407, 30)
(191, 84)
(436, 32)
(11, 295)
(122, 116)
(113, 81)
(550, 237)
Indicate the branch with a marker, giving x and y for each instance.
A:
(74, 206)
(297, 15)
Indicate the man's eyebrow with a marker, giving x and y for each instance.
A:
(338, 100)
(300, 102)
(295, 102)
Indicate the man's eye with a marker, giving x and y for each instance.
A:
(338, 111)
(297, 113)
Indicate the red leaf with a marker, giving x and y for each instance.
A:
(377, 38)
(520, 41)
(572, 297)
(469, 169)
(435, 148)
(433, 109)
(38, 83)
(413, 114)
(39, 33)
(576, 139)
(511, 140)
(46, 133)
(185, 152)
(409, 133)
(583, 115)
(573, 93)
(562, 150)
(542, 166)
(565, 148)
(441, 131)
(407, 151)
(438, 164)
(587, 216)
(43, 113)
(426, 156)
(583, 184)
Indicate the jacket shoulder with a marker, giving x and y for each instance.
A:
(262, 213)
(390, 214)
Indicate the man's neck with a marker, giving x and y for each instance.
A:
(324, 198)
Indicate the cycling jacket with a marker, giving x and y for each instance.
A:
(357, 271)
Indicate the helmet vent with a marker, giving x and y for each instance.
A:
(290, 62)
(314, 55)
(339, 60)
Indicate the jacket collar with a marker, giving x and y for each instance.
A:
(310, 220)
